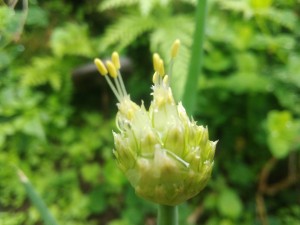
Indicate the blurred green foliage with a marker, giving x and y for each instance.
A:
(283, 133)
(57, 126)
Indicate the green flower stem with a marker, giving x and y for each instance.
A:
(191, 86)
(167, 215)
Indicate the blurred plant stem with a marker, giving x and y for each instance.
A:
(167, 215)
(36, 200)
(191, 86)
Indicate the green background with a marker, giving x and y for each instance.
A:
(57, 114)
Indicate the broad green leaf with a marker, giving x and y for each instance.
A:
(291, 74)
(282, 133)
(37, 17)
(210, 201)
(9, 24)
(91, 173)
(33, 126)
(217, 61)
(97, 200)
(229, 204)
(113, 175)
(5, 59)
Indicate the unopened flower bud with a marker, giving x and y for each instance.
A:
(165, 155)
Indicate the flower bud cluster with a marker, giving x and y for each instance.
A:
(166, 157)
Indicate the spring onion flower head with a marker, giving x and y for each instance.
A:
(165, 155)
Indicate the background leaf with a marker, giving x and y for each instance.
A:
(229, 204)
(283, 131)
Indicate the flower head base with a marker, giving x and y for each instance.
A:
(166, 156)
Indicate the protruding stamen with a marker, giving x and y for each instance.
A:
(156, 60)
(122, 83)
(161, 68)
(175, 47)
(114, 73)
(103, 71)
(116, 60)
(114, 90)
(111, 69)
(101, 67)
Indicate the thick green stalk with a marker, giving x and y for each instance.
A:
(167, 215)
(191, 86)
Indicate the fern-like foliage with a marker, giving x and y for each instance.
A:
(145, 7)
(114, 4)
(125, 31)
(236, 6)
(283, 18)
(71, 39)
(280, 17)
(42, 71)
(192, 2)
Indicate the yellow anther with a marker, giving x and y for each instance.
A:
(175, 47)
(100, 66)
(116, 60)
(111, 69)
(166, 80)
(156, 60)
(161, 68)
(155, 78)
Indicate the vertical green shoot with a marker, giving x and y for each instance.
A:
(190, 90)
